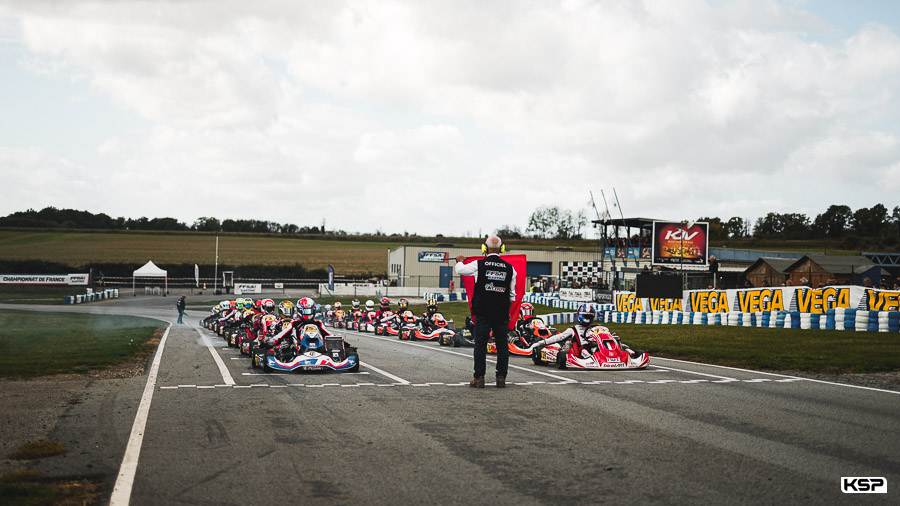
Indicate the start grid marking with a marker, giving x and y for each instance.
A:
(464, 383)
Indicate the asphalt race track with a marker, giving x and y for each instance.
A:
(407, 429)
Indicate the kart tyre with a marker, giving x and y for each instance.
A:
(561, 359)
(536, 357)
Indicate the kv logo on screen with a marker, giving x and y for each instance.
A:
(864, 485)
(678, 235)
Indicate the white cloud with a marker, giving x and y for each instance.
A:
(400, 115)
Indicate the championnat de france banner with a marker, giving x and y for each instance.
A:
(45, 279)
(751, 300)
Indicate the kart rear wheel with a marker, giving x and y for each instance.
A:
(536, 357)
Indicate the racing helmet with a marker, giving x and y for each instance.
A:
(338, 306)
(258, 304)
(385, 303)
(431, 305)
(354, 303)
(232, 304)
(286, 309)
(585, 314)
(402, 305)
(248, 304)
(526, 310)
(268, 306)
(307, 307)
(370, 305)
(327, 307)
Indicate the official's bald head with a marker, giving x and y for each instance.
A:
(493, 244)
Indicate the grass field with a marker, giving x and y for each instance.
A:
(347, 257)
(38, 344)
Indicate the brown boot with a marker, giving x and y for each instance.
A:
(477, 383)
(501, 381)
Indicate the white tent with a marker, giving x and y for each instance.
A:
(150, 270)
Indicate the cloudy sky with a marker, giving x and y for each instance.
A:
(452, 117)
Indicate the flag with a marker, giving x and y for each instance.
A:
(330, 278)
(197, 275)
(519, 264)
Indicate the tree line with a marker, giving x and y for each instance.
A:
(837, 222)
(51, 217)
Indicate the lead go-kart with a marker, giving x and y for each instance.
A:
(603, 351)
(311, 352)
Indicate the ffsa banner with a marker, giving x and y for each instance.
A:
(676, 243)
(804, 300)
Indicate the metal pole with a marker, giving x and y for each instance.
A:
(216, 271)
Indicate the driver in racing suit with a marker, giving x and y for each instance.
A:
(427, 320)
(584, 317)
(304, 315)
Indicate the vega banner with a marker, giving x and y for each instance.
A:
(676, 244)
(44, 279)
(519, 264)
(752, 300)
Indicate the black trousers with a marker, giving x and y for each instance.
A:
(483, 327)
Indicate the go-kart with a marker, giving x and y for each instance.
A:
(604, 351)
(312, 352)
(441, 328)
(521, 341)
(368, 322)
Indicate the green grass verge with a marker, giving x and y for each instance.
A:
(44, 295)
(38, 344)
(820, 351)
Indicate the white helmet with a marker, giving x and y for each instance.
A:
(370, 305)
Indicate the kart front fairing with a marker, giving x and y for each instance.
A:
(312, 361)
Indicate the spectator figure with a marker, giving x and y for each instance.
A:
(180, 307)
(495, 282)
(713, 268)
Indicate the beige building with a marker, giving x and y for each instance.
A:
(433, 265)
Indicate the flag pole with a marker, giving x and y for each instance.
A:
(216, 272)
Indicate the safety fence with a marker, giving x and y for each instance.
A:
(835, 319)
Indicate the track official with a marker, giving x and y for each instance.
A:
(495, 288)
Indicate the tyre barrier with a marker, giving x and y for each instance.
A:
(109, 293)
(564, 304)
(834, 319)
